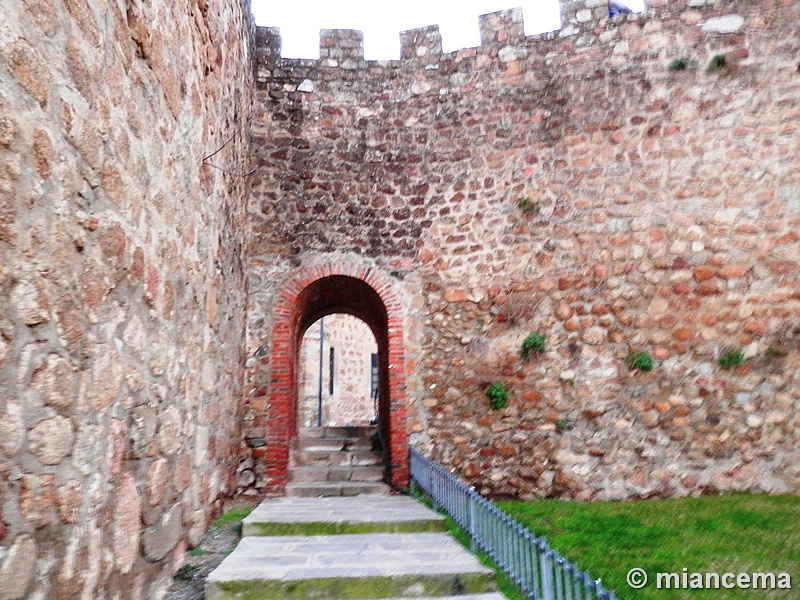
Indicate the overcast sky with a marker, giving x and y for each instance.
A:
(382, 22)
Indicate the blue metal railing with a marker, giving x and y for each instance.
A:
(538, 571)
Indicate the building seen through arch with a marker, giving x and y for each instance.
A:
(338, 375)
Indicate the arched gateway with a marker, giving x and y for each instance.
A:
(309, 295)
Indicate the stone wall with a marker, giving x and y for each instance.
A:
(621, 185)
(350, 402)
(123, 287)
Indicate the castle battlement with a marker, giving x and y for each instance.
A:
(584, 23)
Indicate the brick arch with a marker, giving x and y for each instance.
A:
(309, 295)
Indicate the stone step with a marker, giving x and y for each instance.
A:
(346, 444)
(337, 473)
(376, 565)
(360, 514)
(489, 596)
(367, 431)
(308, 458)
(315, 489)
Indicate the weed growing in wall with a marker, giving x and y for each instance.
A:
(535, 342)
(679, 64)
(731, 357)
(641, 361)
(498, 396)
(772, 353)
(528, 206)
(717, 63)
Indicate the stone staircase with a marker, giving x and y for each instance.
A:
(336, 461)
(364, 547)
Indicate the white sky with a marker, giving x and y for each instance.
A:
(382, 22)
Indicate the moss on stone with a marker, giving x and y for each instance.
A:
(327, 528)
(348, 588)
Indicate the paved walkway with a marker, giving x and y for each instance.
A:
(371, 547)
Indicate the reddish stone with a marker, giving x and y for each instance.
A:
(662, 407)
(43, 153)
(127, 523)
(116, 445)
(37, 499)
(136, 271)
(599, 309)
(708, 319)
(732, 272)
(661, 353)
(69, 498)
(151, 285)
(563, 312)
(455, 295)
(638, 477)
(93, 287)
(183, 472)
(755, 326)
(424, 255)
(708, 288)
(111, 240)
(565, 483)
(681, 289)
(485, 420)
(784, 267)
(683, 334)
(703, 273)
(471, 471)
(508, 451)
(531, 396)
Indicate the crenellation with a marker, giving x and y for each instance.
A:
(423, 43)
(341, 46)
(504, 27)
(585, 24)
(268, 45)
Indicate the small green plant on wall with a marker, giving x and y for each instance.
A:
(679, 64)
(717, 63)
(731, 357)
(535, 342)
(641, 361)
(528, 206)
(498, 396)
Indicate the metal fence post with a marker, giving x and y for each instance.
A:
(547, 573)
(540, 572)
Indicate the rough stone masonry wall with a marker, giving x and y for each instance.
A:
(662, 214)
(122, 287)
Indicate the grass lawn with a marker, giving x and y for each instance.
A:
(739, 533)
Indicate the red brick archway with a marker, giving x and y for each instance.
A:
(309, 295)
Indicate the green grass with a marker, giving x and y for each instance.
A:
(504, 584)
(233, 516)
(736, 533)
